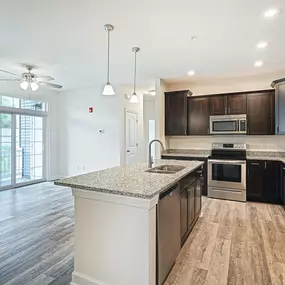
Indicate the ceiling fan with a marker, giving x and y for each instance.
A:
(29, 79)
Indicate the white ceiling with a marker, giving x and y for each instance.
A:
(66, 38)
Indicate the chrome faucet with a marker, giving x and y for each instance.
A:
(150, 161)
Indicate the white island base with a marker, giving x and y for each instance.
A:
(115, 239)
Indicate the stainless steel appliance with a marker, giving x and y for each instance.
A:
(227, 171)
(228, 124)
(168, 232)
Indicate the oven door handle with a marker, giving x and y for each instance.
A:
(227, 161)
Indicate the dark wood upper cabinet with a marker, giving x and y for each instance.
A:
(198, 115)
(233, 104)
(218, 105)
(261, 113)
(236, 104)
(176, 113)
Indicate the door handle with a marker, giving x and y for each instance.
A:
(128, 150)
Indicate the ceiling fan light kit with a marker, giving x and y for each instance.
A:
(29, 80)
(108, 88)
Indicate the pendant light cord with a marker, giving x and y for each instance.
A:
(108, 71)
(135, 73)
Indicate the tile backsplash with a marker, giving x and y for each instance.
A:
(205, 142)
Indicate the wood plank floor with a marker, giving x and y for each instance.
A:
(36, 235)
(232, 243)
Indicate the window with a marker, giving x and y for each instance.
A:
(6, 101)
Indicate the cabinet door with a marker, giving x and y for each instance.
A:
(198, 196)
(183, 212)
(198, 116)
(191, 205)
(271, 189)
(254, 190)
(176, 113)
(236, 104)
(260, 113)
(280, 109)
(218, 105)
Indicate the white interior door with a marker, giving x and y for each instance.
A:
(131, 127)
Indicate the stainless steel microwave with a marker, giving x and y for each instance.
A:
(228, 124)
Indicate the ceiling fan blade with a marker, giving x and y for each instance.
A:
(1, 70)
(10, 79)
(42, 78)
(50, 84)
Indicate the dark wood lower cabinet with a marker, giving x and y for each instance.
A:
(183, 212)
(263, 181)
(190, 202)
(191, 205)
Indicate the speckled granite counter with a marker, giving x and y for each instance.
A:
(130, 180)
(187, 153)
(266, 155)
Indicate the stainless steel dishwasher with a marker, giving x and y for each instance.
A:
(168, 241)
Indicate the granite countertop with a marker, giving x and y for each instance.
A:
(130, 180)
(266, 155)
(187, 153)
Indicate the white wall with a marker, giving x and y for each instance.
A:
(82, 147)
(223, 86)
(148, 114)
(51, 97)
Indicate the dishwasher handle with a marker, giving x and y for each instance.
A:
(168, 192)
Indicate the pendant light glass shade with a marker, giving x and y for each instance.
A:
(108, 88)
(135, 98)
(34, 86)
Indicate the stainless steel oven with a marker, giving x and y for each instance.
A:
(227, 172)
(228, 124)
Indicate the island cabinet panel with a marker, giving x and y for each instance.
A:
(191, 205)
(198, 115)
(176, 113)
(261, 113)
(218, 105)
(263, 181)
(236, 104)
(183, 212)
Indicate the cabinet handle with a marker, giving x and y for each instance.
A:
(265, 164)
(277, 130)
(229, 110)
(254, 163)
(208, 131)
(226, 110)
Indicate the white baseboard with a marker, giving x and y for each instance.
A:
(81, 279)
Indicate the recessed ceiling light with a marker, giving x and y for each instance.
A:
(258, 63)
(191, 72)
(270, 13)
(262, 45)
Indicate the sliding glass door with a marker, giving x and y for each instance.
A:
(5, 150)
(21, 149)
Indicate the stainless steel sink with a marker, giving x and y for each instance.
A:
(166, 169)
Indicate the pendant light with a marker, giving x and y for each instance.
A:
(134, 98)
(108, 88)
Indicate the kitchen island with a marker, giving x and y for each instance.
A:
(115, 222)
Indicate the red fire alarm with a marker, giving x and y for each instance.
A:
(90, 109)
